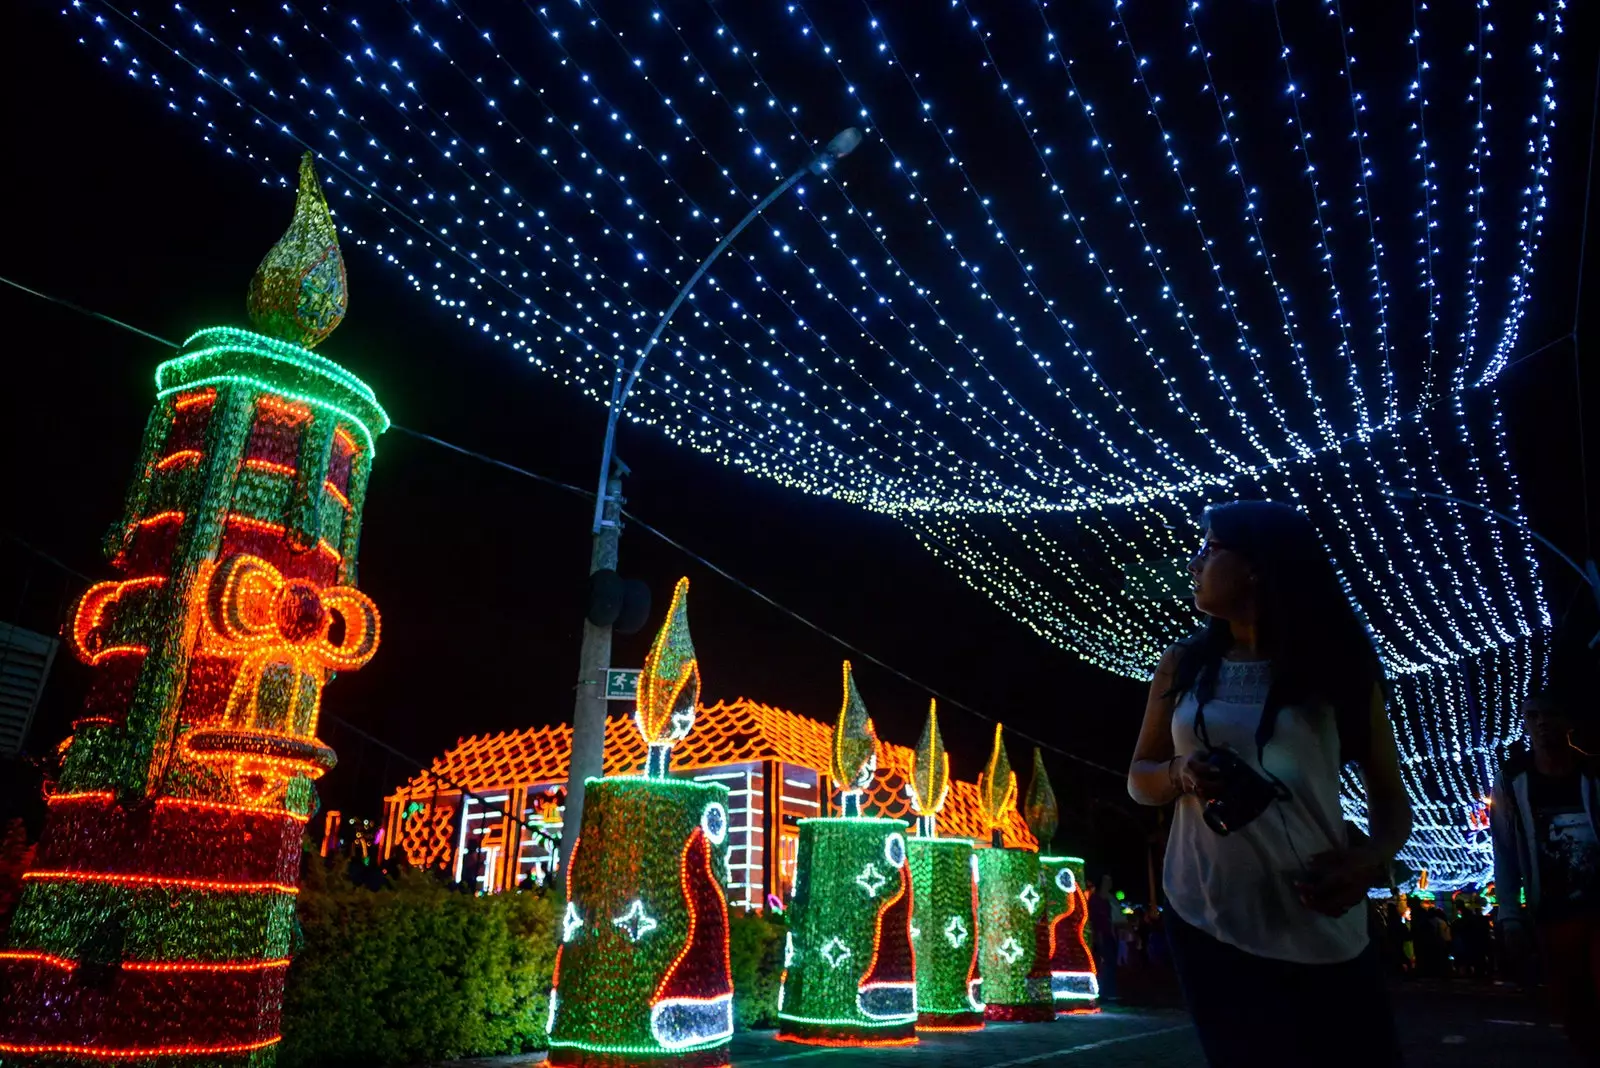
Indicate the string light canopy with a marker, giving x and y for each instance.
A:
(1093, 266)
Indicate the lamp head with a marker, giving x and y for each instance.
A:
(844, 142)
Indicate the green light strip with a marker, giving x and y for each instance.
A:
(636, 1051)
(1066, 860)
(275, 349)
(898, 824)
(851, 1022)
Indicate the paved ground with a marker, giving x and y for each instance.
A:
(1125, 1037)
(1441, 1024)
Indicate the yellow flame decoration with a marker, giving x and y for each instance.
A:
(669, 684)
(997, 785)
(930, 768)
(299, 293)
(855, 744)
(1040, 809)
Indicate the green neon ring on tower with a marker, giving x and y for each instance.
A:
(229, 354)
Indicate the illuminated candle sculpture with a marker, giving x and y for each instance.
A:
(944, 889)
(642, 974)
(1073, 984)
(158, 918)
(849, 972)
(1013, 953)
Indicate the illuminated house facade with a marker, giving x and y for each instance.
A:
(773, 762)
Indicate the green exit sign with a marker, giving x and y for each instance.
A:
(622, 684)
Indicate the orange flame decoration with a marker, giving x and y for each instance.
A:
(279, 630)
(997, 785)
(855, 744)
(669, 685)
(930, 768)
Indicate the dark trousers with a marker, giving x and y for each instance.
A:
(1251, 1010)
(1571, 952)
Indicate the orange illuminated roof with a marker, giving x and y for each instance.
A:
(725, 733)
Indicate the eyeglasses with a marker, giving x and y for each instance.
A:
(1207, 549)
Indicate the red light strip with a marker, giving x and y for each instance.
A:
(86, 795)
(272, 404)
(149, 1051)
(842, 1042)
(263, 527)
(174, 459)
(222, 806)
(334, 490)
(162, 880)
(183, 802)
(189, 400)
(160, 517)
(221, 966)
(272, 467)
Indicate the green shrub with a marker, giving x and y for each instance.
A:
(415, 972)
(755, 950)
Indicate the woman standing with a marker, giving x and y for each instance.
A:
(1248, 725)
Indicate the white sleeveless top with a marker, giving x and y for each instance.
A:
(1239, 888)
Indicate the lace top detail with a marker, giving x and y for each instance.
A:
(1239, 887)
(1243, 682)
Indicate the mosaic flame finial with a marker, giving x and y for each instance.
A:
(997, 786)
(930, 768)
(669, 684)
(855, 745)
(1039, 808)
(299, 293)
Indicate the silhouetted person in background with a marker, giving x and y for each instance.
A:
(1103, 914)
(1547, 867)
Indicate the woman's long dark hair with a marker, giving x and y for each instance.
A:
(1320, 649)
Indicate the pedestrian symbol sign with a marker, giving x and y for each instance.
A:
(622, 684)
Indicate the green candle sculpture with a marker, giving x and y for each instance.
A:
(849, 974)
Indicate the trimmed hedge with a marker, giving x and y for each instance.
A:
(415, 972)
(755, 951)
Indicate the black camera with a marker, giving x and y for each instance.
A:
(1241, 795)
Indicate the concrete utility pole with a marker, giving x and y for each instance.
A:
(594, 658)
(589, 708)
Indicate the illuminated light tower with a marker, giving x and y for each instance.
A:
(944, 891)
(1065, 907)
(849, 968)
(1013, 953)
(642, 973)
(157, 921)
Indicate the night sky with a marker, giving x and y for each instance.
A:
(480, 574)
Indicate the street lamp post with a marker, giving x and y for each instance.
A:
(589, 708)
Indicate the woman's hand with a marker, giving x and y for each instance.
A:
(1196, 775)
(1337, 881)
